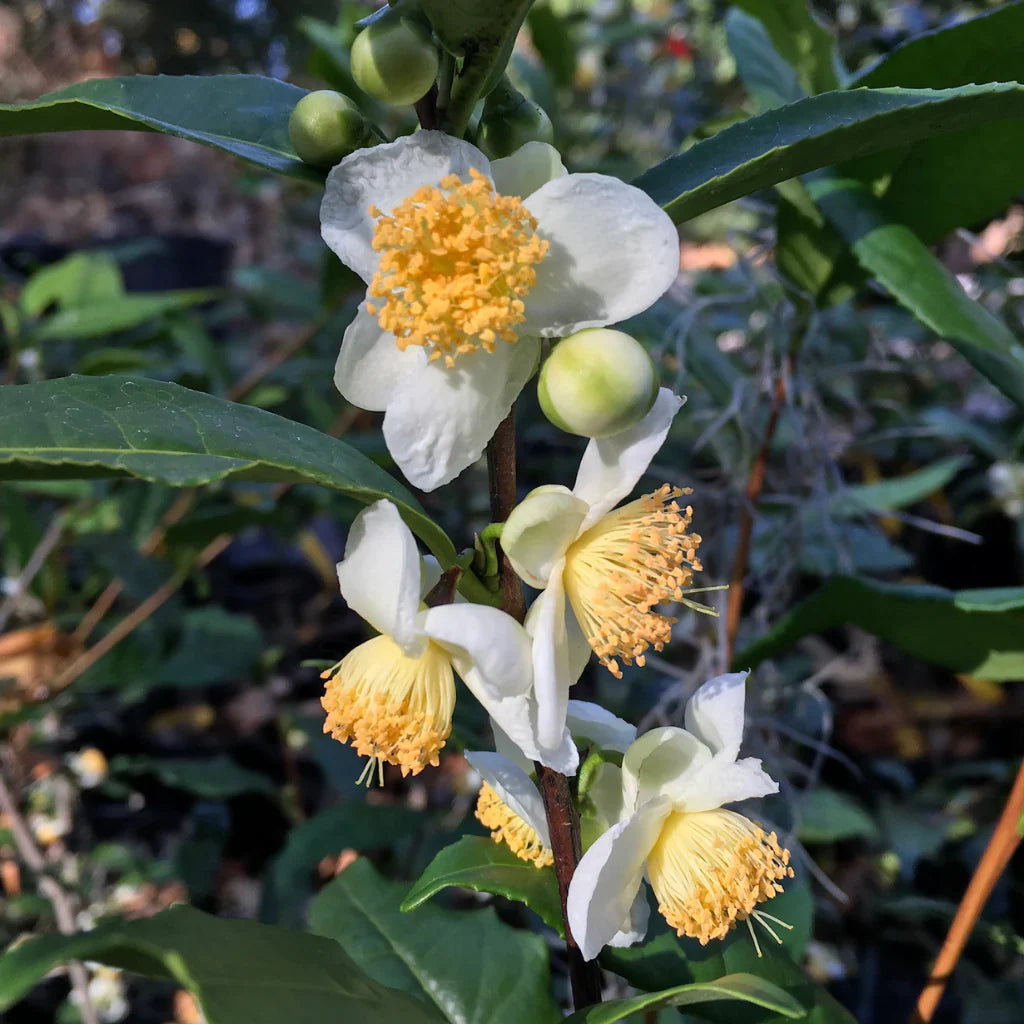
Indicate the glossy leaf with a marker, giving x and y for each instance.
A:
(240, 972)
(246, 115)
(467, 964)
(817, 132)
(475, 862)
(112, 426)
(980, 632)
(744, 988)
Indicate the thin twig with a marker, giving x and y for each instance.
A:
(36, 561)
(559, 806)
(1005, 840)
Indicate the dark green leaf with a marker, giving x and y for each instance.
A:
(246, 115)
(771, 81)
(817, 132)
(468, 964)
(481, 864)
(239, 971)
(554, 42)
(215, 646)
(214, 778)
(980, 632)
(897, 492)
(746, 988)
(111, 426)
(826, 816)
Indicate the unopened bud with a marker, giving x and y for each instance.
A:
(597, 382)
(326, 126)
(510, 120)
(394, 60)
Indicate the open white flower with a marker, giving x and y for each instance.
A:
(393, 696)
(614, 566)
(470, 262)
(709, 867)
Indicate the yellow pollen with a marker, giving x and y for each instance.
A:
(635, 558)
(455, 265)
(394, 708)
(711, 869)
(507, 827)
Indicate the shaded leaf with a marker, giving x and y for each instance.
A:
(113, 426)
(771, 80)
(215, 646)
(826, 816)
(212, 778)
(897, 492)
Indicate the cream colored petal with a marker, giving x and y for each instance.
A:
(659, 764)
(370, 365)
(714, 714)
(514, 787)
(540, 529)
(527, 169)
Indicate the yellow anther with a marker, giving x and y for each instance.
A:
(711, 869)
(392, 707)
(507, 827)
(632, 560)
(455, 264)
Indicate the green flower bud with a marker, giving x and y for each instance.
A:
(510, 120)
(325, 126)
(394, 60)
(597, 382)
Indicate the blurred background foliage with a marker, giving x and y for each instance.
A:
(182, 756)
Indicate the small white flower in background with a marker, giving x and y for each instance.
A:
(1006, 480)
(89, 766)
(709, 867)
(613, 565)
(106, 991)
(393, 696)
(470, 262)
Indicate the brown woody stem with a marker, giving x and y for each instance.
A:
(559, 806)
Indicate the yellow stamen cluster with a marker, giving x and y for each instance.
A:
(455, 264)
(507, 827)
(711, 869)
(635, 558)
(394, 708)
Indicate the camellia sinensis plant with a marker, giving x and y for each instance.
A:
(486, 263)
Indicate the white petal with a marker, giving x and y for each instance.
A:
(714, 714)
(634, 928)
(660, 763)
(370, 364)
(722, 781)
(439, 420)
(592, 722)
(505, 746)
(529, 167)
(551, 676)
(380, 574)
(608, 878)
(540, 528)
(430, 574)
(579, 647)
(613, 252)
(611, 466)
(514, 724)
(383, 176)
(515, 788)
(604, 791)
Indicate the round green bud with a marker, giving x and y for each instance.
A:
(394, 60)
(510, 120)
(325, 126)
(597, 382)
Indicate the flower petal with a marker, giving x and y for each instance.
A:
(540, 529)
(515, 736)
(714, 714)
(430, 575)
(551, 678)
(608, 877)
(370, 364)
(380, 574)
(722, 781)
(515, 788)
(604, 792)
(529, 167)
(613, 252)
(439, 420)
(659, 763)
(383, 176)
(611, 466)
(592, 722)
(634, 928)
(505, 746)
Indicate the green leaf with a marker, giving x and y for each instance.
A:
(82, 279)
(663, 959)
(213, 778)
(826, 816)
(215, 646)
(801, 40)
(906, 268)
(771, 80)
(980, 632)
(746, 988)
(239, 971)
(112, 426)
(468, 964)
(475, 862)
(246, 115)
(817, 132)
(897, 492)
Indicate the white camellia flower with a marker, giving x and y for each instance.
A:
(469, 263)
(709, 867)
(393, 696)
(613, 564)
